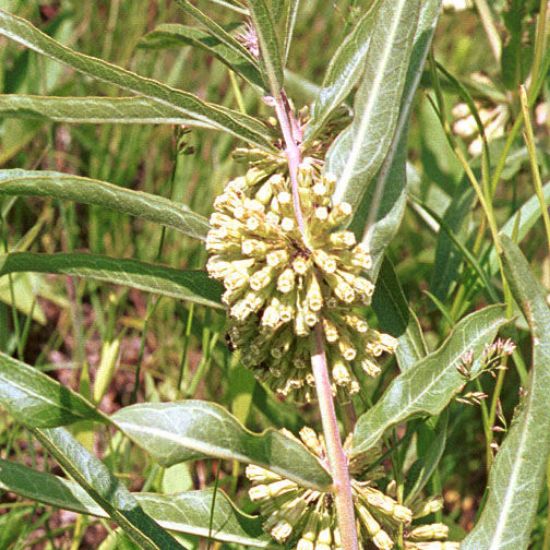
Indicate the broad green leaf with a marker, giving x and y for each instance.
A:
(270, 51)
(358, 152)
(38, 400)
(189, 285)
(241, 126)
(94, 110)
(381, 210)
(518, 472)
(187, 512)
(88, 191)
(343, 72)
(525, 218)
(170, 34)
(105, 489)
(190, 430)
(396, 318)
(427, 387)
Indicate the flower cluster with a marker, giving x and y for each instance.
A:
(306, 519)
(282, 280)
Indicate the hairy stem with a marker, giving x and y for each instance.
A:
(337, 459)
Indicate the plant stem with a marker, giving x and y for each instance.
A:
(338, 462)
(337, 459)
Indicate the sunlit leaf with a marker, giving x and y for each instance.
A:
(189, 430)
(88, 191)
(518, 472)
(427, 387)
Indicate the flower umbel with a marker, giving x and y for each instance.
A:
(281, 282)
(306, 518)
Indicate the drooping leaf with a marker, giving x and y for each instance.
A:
(88, 191)
(427, 387)
(187, 512)
(379, 214)
(105, 489)
(270, 50)
(358, 152)
(343, 72)
(517, 476)
(189, 285)
(190, 430)
(170, 34)
(241, 126)
(396, 318)
(94, 110)
(38, 400)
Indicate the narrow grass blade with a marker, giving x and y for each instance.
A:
(188, 285)
(427, 387)
(38, 400)
(517, 475)
(89, 191)
(190, 430)
(187, 512)
(94, 110)
(105, 489)
(189, 105)
(358, 152)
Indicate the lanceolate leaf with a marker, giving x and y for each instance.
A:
(105, 489)
(291, 15)
(396, 318)
(88, 191)
(270, 51)
(240, 125)
(379, 215)
(192, 286)
(190, 430)
(94, 110)
(38, 400)
(358, 152)
(188, 512)
(170, 35)
(427, 387)
(518, 472)
(343, 72)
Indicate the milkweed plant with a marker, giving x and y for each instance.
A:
(333, 340)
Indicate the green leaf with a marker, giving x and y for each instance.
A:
(94, 110)
(88, 191)
(358, 152)
(396, 318)
(191, 430)
(105, 489)
(169, 35)
(428, 386)
(344, 70)
(525, 218)
(518, 472)
(189, 285)
(270, 52)
(187, 512)
(38, 400)
(381, 210)
(291, 15)
(241, 126)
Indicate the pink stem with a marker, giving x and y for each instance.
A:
(338, 462)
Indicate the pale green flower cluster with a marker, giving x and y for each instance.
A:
(281, 282)
(306, 519)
